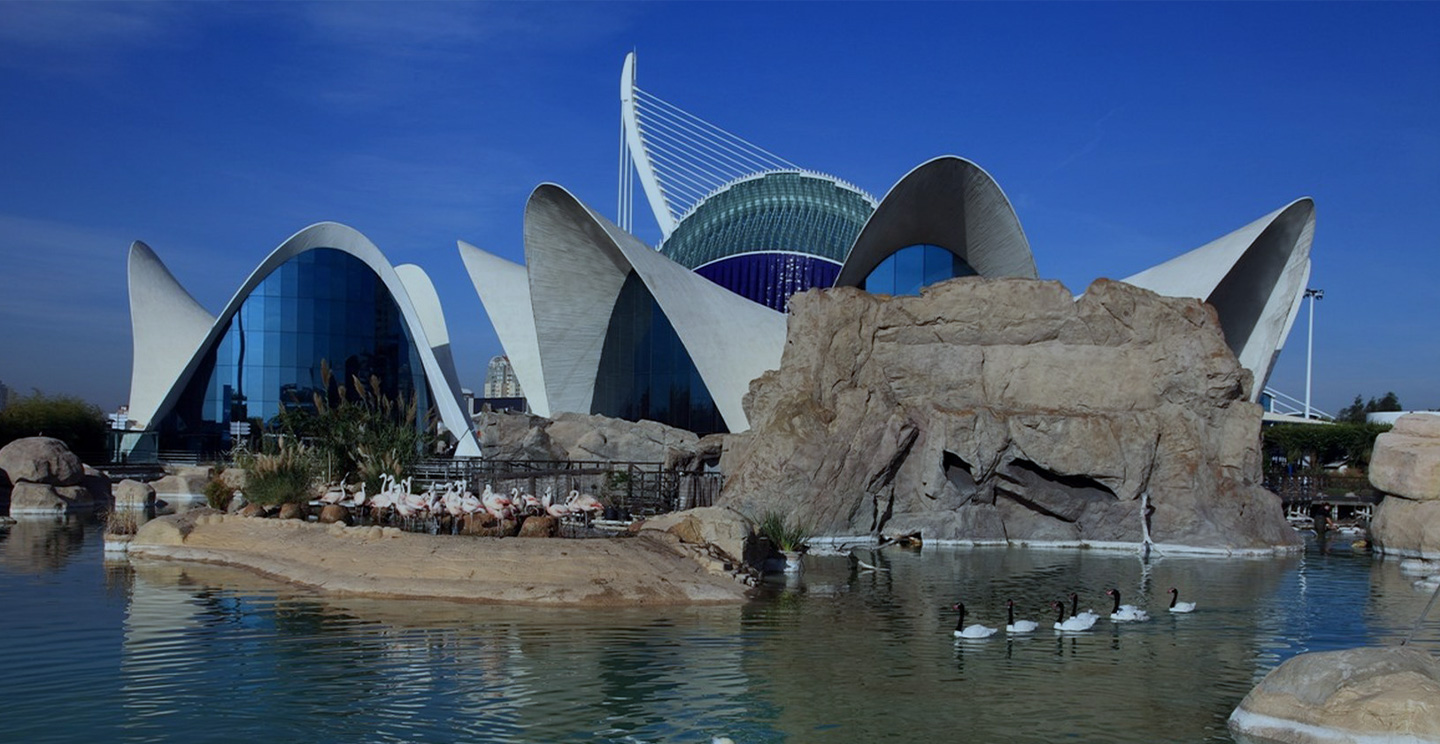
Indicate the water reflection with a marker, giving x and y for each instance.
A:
(38, 544)
(841, 653)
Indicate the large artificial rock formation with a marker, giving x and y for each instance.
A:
(575, 436)
(1006, 410)
(1361, 694)
(1405, 464)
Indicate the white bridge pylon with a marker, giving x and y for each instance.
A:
(679, 157)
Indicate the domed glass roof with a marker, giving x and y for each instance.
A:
(784, 211)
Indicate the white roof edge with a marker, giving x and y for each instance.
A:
(988, 234)
(504, 290)
(167, 324)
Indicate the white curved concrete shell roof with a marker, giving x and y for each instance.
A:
(504, 289)
(1254, 277)
(950, 202)
(576, 263)
(158, 361)
(167, 328)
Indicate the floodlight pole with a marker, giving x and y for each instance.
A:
(1313, 294)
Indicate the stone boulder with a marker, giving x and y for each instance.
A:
(291, 511)
(1405, 464)
(725, 529)
(540, 527)
(1406, 459)
(1362, 694)
(573, 436)
(43, 498)
(41, 460)
(1006, 410)
(133, 494)
(234, 479)
(190, 484)
(330, 514)
(174, 528)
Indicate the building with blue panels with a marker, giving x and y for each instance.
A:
(325, 297)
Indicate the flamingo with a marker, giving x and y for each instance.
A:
(335, 495)
(584, 502)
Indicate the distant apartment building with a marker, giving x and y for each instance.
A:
(502, 388)
(500, 380)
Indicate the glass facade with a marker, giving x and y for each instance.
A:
(905, 271)
(323, 304)
(646, 373)
(770, 278)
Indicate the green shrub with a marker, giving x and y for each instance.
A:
(217, 494)
(782, 533)
(80, 425)
(360, 438)
(1320, 444)
(279, 478)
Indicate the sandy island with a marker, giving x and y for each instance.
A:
(644, 569)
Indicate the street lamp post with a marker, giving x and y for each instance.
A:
(1313, 294)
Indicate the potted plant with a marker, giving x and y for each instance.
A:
(785, 536)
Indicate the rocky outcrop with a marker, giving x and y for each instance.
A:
(1406, 459)
(46, 477)
(574, 436)
(1006, 410)
(41, 460)
(725, 529)
(1362, 694)
(1405, 464)
(183, 481)
(43, 498)
(134, 494)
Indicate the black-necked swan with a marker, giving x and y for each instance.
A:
(1075, 609)
(1017, 626)
(974, 631)
(1125, 613)
(1176, 605)
(1073, 624)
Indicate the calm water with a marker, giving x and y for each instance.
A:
(147, 651)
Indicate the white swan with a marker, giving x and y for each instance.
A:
(1176, 605)
(1089, 615)
(1125, 613)
(1074, 624)
(974, 631)
(1014, 626)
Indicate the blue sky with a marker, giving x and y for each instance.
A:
(1124, 134)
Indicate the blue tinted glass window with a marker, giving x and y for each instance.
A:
(771, 278)
(323, 305)
(645, 372)
(913, 267)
